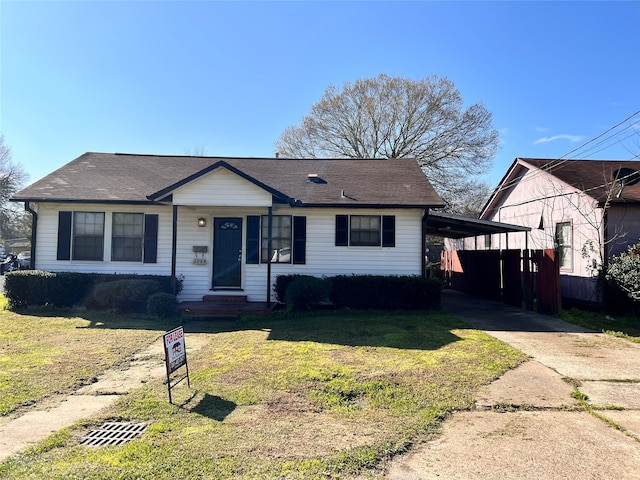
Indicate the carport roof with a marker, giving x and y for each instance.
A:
(455, 226)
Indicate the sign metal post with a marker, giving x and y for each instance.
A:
(175, 354)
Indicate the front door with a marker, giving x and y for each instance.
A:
(227, 252)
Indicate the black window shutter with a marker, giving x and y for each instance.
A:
(299, 240)
(342, 230)
(253, 239)
(64, 235)
(388, 231)
(150, 238)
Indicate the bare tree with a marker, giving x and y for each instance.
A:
(466, 197)
(196, 151)
(13, 222)
(391, 117)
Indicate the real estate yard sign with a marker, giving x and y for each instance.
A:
(175, 354)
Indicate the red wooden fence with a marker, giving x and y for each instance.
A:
(524, 278)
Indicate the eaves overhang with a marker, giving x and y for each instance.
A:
(353, 205)
(109, 201)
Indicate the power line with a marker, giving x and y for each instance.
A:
(554, 165)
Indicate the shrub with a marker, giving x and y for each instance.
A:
(162, 305)
(385, 292)
(27, 287)
(65, 289)
(305, 292)
(361, 291)
(624, 271)
(282, 283)
(128, 295)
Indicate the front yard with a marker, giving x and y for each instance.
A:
(317, 395)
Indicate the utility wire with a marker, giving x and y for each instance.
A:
(554, 165)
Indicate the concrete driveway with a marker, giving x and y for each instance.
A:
(527, 425)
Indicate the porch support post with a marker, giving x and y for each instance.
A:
(269, 248)
(174, 242)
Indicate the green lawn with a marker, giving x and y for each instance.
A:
(316, 395)
(627, 326)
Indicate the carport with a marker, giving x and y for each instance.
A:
(515, 277)
(445, 225)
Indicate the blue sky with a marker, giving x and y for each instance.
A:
(167, 77)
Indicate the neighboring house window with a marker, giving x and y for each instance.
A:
(88, 235)
(365, 230)
(564, 244)
(487, 241)
(127, 237)
(288, 239)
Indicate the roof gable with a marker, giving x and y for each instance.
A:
(200, 177)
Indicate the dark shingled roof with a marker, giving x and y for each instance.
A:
(594, 177)
(116, 178)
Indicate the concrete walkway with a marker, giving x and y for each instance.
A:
(526, 424)
(28, 429)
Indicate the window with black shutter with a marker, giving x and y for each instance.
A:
(365, 231)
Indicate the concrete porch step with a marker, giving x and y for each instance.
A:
(224, 299)
(211, 310)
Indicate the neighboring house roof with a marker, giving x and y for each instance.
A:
(118, 178)
(596, 178)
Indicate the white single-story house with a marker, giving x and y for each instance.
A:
(587, 210)
(229, 226)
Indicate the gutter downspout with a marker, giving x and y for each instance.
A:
(34, 231)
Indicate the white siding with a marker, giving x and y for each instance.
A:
(322, 256)
(221, 188)
(47, 241)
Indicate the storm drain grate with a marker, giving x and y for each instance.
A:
(113, 433)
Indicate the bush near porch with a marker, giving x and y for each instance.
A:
(362, 292)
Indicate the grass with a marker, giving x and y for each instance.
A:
(295, 396)
(626, 326)
(57, 352)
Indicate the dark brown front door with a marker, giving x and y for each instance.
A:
(227, 252)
